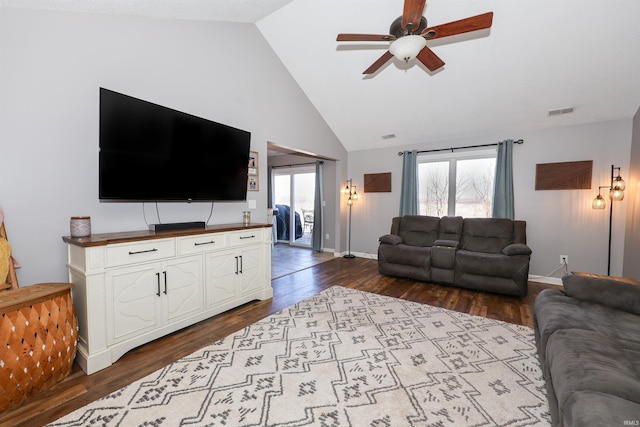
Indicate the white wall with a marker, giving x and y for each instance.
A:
(558, 222)
(563, 222)
(52, 64)
(632, 194)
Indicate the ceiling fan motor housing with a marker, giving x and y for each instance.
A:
(397, 30)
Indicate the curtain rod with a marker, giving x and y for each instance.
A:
(297, 164)
(520, 141)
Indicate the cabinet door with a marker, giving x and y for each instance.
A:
(133, 301)
(250, 262)
(183, 288)
(222, 276)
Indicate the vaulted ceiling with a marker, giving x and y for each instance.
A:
(539, 56)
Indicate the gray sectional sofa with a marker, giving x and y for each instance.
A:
(488, 254)
(588, 340)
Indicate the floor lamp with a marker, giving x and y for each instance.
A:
(616, 193)
(350, 191)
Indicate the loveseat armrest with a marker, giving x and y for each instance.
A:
(390, 239)
(516, 249)
(617, 292)
(446, 243)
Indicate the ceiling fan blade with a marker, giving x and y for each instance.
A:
(430, 59)
(474, 23)
(365, 37)
(379, 63)
(412, 13)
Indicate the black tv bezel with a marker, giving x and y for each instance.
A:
(246, 139)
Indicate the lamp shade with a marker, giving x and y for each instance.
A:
(354, 194)
(618, 184)
(616, 194)
(598, 202)
(408, 47)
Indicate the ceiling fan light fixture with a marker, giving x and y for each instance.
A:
(408, 47)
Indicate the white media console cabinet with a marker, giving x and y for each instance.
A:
(133, 287)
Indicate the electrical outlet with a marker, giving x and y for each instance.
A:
(564, 259)
(327, 236)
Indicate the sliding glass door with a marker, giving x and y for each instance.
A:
(294, 192)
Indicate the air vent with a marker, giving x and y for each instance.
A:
(389, 136)
(560, 111)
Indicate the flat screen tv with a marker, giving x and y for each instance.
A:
(153, 153)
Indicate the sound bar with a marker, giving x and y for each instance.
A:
(177, 226)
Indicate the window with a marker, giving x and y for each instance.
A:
(456, 184)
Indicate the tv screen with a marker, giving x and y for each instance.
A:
(149, 152)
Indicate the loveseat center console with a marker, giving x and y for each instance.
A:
(134, 287)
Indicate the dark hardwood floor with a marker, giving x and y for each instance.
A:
(287, 259)
(79, 389)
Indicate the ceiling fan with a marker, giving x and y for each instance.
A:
(409, 33)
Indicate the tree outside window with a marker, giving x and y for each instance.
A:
(460, 185)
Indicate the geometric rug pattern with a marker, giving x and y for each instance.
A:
(343, 358)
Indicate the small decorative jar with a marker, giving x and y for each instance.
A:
(80, 226)
(246, 217)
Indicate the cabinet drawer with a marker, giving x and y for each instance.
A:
(245, 237)
(201, 243)
(148, 250)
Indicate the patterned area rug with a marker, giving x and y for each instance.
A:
(343, 358)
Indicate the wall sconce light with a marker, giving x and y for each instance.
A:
(616, 193)
(350, 191)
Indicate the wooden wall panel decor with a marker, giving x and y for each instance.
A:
(377, 182)
(564, 175)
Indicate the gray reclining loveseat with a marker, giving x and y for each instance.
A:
(488, 254)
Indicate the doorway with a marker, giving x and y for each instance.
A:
(294, 194)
